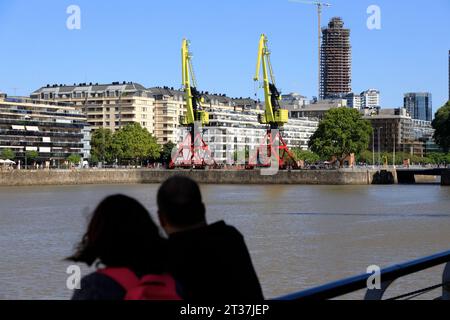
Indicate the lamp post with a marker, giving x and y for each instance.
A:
(394, 151)
(379, 146)
(373, 148)
(378, 131)
(26, 118)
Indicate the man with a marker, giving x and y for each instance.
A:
(210, 262)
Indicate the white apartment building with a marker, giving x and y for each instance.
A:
(233, 122)
(51, 129)
(353, 101)
(235, 130)
(109, 106)
(370, 99)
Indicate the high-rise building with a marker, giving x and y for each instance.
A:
(370, 99)
(335, 66)
(419, 105)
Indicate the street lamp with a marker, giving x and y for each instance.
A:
(394, 150)
(373, 148)
(26, 118)
(379, 146)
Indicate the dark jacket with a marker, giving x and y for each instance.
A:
(212, 264)
(96, 286)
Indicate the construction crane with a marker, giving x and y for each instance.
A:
(198, 152)
(274, 115)
(319, 5)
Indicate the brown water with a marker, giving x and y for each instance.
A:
(299, 236)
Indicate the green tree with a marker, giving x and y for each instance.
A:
(166, 153)
(341, 133)
(32, 155)
(135, 144)
(101, 146)
(74, 158)
(439, 157)
(305, 155)
(366, 156)
(441, 124)
(7, 154)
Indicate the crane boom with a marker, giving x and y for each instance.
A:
(193, 98)
(193, 152)
(273, 115)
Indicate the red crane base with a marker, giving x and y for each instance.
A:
(269, 147)
(199, 155)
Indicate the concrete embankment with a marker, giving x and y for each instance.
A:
(80, 177)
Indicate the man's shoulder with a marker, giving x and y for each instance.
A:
(219, 230)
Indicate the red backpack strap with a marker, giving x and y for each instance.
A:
(123, 276)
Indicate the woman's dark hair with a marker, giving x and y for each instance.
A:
(121, 233)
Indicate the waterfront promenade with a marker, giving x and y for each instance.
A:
(146, 176)
(348, 176)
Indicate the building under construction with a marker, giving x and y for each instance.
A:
(335, 66)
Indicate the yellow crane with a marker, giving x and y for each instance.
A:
(193, 97)
(274, 115)
(198, 153)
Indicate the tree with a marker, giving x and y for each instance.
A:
(7, 154)
(341, 133)
(135, 144)
(101, 146)
(31, 155)
(439, 158)
(441, 124)
(74, 158)
(305, 155)
(166, 153)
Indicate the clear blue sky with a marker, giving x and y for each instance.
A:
(140, 41)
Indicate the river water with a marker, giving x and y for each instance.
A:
(299, 236)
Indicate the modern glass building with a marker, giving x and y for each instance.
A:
(419, 105)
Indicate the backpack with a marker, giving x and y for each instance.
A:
(149, 287)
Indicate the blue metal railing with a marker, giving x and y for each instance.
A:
(387, 276)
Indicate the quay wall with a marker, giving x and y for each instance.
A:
(147, 176)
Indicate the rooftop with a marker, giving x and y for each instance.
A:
(91, 87)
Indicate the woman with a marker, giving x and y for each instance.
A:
(124, 240)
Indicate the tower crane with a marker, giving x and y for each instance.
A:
(199, 154)
(320, 6)
(274, 116)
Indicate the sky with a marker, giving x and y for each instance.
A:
(140, 41)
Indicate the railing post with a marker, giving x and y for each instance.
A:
(446, 281)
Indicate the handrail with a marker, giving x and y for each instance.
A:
(352, 284)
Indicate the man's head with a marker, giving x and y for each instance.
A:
(180, 205)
